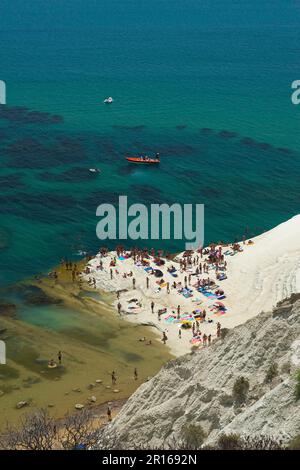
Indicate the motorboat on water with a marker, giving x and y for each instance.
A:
(144, 159)
(94, 170)
(108, 100)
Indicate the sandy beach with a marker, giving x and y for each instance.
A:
(257, 274)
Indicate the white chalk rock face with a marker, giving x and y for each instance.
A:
(198, 388)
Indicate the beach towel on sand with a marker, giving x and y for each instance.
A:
(195, 340)
(219, 313)
(170, 319)
(208, 294)
(187, 295)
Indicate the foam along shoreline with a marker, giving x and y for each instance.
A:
(260, 275)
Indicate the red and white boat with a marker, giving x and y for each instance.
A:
(144, 159)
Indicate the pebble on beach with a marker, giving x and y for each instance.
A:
(21, 404)
(79, 406)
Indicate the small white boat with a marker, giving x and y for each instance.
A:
(108, 100)
(94, 170)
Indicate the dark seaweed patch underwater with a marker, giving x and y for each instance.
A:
(49, 198)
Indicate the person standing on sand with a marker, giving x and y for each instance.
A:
(209, 340)
(108, 413)
(119, 308)
(164, 338)
(179, 333)
(178, 312)
(113, 378)
(133, 282)
(135, 374)
(147, 282)
(59, 357)
(152, 307)
(111, 273)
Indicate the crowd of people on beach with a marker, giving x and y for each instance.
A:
(153, 276)
(194, 272)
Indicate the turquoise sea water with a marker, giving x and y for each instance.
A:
(205, 83)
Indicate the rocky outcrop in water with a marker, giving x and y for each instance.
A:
(7, 309)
